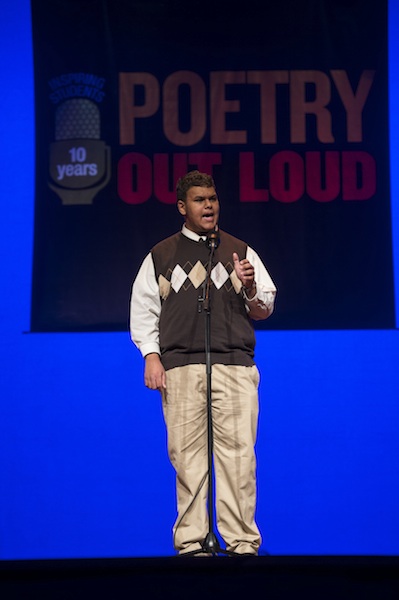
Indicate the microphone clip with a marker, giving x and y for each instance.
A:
(213, 240)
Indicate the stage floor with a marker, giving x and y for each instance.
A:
(310, 577)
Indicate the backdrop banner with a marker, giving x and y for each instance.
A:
(284, 103)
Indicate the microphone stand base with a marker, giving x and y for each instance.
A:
(210, 547)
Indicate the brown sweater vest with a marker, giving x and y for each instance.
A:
(180, 268)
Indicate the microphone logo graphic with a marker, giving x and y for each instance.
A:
(80, 163)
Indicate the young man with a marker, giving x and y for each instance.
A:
(168, 326)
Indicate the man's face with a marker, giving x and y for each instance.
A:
(201, 209)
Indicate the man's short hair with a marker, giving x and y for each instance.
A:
(191, 179)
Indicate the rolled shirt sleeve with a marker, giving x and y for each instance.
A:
(261, 305)
(145, 309)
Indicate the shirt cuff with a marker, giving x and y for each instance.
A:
(150, 348)
(244, 292)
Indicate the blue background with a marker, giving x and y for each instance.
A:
(84, 471)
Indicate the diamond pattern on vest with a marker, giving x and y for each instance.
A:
(219, 275)
(197, 274)
(164, 287)
(179, 276)
(183, 278)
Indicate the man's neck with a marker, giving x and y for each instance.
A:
(192, 235)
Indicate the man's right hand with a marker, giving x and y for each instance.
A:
(154, 373)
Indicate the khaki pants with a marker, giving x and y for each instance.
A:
(235, 418)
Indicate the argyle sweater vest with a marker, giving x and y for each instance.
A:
(180, 267)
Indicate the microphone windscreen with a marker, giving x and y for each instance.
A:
(77, 119)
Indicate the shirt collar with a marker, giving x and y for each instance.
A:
(192, 235)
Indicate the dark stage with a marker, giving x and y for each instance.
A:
(190, 578)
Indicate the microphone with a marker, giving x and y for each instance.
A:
(213, 239)
(80, 162)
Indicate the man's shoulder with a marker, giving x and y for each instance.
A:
(168, 242)
(231, 239)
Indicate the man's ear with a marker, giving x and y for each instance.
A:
(181, 207)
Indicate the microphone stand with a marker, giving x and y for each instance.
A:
(210, 544)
